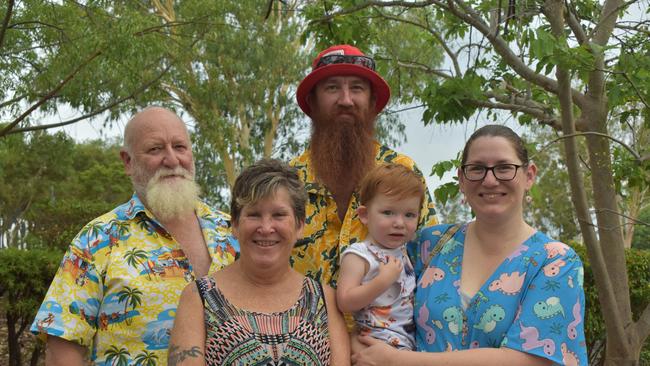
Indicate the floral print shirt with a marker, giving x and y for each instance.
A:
(533, 302)
(325, 236)
(118, 285)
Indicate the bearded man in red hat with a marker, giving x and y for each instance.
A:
(343, 96)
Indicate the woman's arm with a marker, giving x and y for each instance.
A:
(351, 294)
(379, 353)
(187, 343)
(339, 338)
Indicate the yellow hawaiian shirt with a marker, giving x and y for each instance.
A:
(325, 236)
(119, 283)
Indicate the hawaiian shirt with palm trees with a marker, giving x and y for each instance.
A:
(118, 285)
(325, 237)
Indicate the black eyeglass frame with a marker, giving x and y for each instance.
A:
(491, 168)
(364, 61)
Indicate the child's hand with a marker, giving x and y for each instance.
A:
(391, 270)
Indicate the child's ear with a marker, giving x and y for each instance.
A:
(362, 212)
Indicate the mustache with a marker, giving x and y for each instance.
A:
(178, 172)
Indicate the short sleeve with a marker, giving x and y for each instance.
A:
(550, 318)
(70, 309)
(358, 249)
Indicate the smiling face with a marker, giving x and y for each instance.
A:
(391, 221)
(267, 231)
(490, 198)
(156, 139)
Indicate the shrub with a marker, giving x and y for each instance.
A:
(638, 268)
(25, 276)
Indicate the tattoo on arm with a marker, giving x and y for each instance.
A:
(177, 355)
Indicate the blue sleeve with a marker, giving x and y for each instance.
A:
(550, 320)
(77, 288)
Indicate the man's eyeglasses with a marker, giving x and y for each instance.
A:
(502, 172)
(364, 61)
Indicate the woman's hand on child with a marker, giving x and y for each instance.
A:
(376, 353)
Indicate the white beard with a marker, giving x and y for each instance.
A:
(170, 198)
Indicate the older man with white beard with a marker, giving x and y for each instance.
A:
(343, 96)
(117, 288)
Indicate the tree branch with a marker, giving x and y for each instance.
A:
(636, 155)
(436, 35)
(5, 21)
(643, 324)
(603, 29)
(141, 89)
(12, 101)
(16, 25)
(634, 221)
(471, 17)
(367, 4)
(177, 24)
(536, 113)
(422, 67)
(49, 95)
(574, 24)
(635, 28)
(389, 111)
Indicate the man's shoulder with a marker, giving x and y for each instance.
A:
(121, 213)
(387, 155)
(302, 164)
(301, 161)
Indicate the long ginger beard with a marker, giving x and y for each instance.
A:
(342, 148)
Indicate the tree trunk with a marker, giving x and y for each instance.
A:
(12, 340)
(618, 351)
(36, 353)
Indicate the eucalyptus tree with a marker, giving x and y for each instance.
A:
(63, 56)
(235, 68)
(573, 67)
(232, 66)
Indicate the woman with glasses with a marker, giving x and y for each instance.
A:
(495, 291)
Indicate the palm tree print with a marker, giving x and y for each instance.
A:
(146, 359)
(130, 296)
(92, 230)
(135, 257)
(117, 356)
(144, 225)
(116, 229)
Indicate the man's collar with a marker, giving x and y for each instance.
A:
(135, 206)
(130, 209)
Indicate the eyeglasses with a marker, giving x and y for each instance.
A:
(364, 61)
(502, 172)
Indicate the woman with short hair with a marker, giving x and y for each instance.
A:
(258, 310)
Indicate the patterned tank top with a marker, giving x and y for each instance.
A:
(297, 336)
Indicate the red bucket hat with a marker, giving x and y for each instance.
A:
(343, 60)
